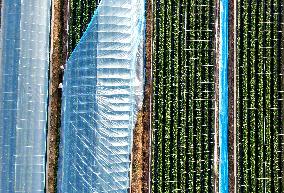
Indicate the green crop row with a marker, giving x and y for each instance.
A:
(259, 121)
(183, 106)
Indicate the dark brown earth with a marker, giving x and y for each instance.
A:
(58, 56)
(232, 97)
(142, 133)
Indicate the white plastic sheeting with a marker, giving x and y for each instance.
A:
(102, 92)
(24, 51)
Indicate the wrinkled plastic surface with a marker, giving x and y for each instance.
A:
(102, 92)
(24, 51)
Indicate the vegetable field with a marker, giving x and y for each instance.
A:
(260, 96)
(183, 104)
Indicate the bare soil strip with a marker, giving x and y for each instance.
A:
(140, 182)
(58, 56)
(232, 96)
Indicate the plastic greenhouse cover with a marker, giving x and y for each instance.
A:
(102, 93)
(24, 51)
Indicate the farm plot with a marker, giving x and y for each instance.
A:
(183, 109)
(260, 96)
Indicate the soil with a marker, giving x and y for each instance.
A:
(58, 56)
(140, 179)
(232, 97)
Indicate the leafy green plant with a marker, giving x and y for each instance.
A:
(183, 96)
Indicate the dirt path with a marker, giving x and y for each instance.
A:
(140, 179)
(58, 56)
(232, 96)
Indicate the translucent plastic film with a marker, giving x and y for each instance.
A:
(24, 59)
(102, 92)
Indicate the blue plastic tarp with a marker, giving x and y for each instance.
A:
(223, 98)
